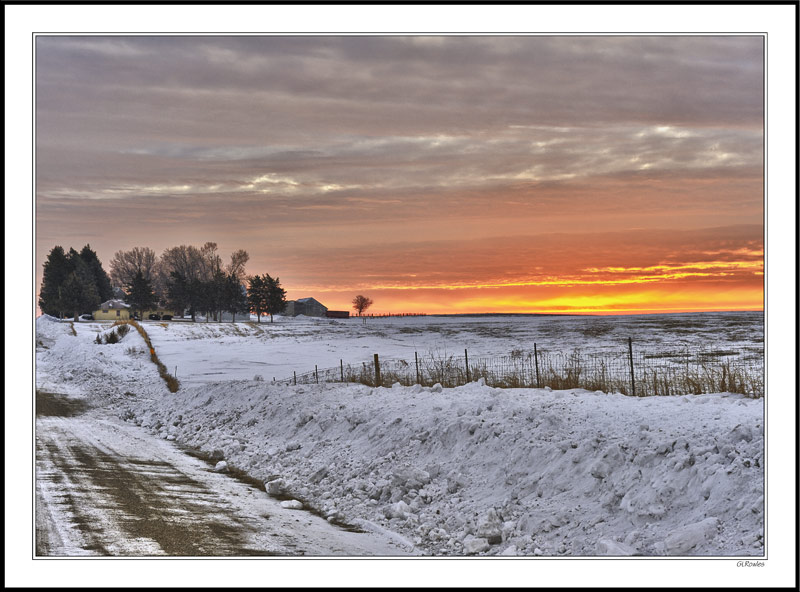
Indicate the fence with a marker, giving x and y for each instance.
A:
(639, 373)
(381, 315)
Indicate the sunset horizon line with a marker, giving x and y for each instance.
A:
(631, 312)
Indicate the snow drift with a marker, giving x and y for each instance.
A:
(477, 470)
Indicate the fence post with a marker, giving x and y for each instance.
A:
(377, 371)
(341, 369)
(176, 372)
(295, 377)
(630, 356)
(466, 362)
(416, 363)
(316, 376)
(536, 361)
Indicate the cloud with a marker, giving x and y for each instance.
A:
(339, 142)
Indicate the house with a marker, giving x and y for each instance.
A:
(113, 310)
(305, 306)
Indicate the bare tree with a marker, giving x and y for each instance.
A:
(126, 264)
(180, 271)
(236, 267)
(361, 303)
(211, 261)
(184, 260)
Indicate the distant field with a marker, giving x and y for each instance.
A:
(209, 352)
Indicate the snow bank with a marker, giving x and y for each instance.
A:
(478, 470)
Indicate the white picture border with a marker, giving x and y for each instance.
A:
(777, 21)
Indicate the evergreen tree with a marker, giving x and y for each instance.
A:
(188, 293)
(219, 293)
(101, 280)
(235, 296)
(256, 295)
(201, 296)
(56, 271)
(79, 292)
(140, 294)
(178, 293)
(275, 300)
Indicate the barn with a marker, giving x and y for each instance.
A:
(305, 306)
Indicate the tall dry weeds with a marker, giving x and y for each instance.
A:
(172, 383)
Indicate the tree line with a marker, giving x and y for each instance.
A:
(73, 282)
(183, 278)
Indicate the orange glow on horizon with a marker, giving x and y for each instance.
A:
(706, 270)
(664, 287)
(561, 301)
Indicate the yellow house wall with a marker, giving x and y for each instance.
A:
(111, 315)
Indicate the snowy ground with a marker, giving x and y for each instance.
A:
(223, 351)
(470, 470)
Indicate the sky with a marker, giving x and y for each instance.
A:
(437, 174)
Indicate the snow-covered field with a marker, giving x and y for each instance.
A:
(472, 470)
(207, 352)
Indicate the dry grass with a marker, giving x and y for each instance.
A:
(172, 383)
(655, 375)
(237, 330)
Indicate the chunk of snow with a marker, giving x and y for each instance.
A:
(683, 540)
(511, 550)
(276, 487)
(490, 528)
(397, 510)
(613, 548)
(474, 545)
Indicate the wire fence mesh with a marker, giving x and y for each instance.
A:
(630, 372)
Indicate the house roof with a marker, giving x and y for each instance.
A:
(114, 304)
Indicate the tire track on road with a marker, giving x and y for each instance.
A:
(128, 506)
(108, 488)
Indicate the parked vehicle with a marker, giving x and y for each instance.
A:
(166, 318)
(86, 317)
(154, 317)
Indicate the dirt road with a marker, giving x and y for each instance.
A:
(104, 487)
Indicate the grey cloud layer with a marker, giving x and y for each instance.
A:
(564, 80)
(344, 122)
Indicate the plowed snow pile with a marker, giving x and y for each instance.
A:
(482, 470)
(468, 470)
